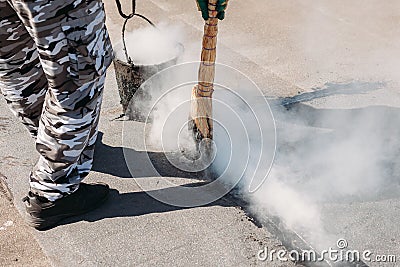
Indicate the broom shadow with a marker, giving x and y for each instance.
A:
(112, 160)
(322, 130)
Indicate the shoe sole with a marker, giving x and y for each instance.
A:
(50, 222)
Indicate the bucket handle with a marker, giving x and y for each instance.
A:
(128, 17)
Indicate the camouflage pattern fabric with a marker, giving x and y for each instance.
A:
(53, 60)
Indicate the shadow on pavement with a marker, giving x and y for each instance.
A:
(111, 160)
(324, 147)
(134, 204)
(330, 88)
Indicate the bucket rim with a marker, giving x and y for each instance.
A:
(180, 49)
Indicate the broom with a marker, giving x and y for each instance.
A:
(200, 119)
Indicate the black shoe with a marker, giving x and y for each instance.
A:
(44, 214)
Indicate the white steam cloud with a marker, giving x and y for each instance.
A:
(328, 156)
(150, 45)
(323, 155)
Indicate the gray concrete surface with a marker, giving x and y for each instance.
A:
(18, 244)
(132, 229)
(287, 48)
(294, 48)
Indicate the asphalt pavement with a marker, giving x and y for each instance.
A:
(298, 52)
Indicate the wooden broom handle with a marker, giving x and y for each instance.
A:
(208, 53)
(201, 107)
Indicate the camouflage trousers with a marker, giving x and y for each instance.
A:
(53, 59)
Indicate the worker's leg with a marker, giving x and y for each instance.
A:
(74, 51)
(22, 80)
(85, 161)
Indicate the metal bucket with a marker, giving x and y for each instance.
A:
(130, 76)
